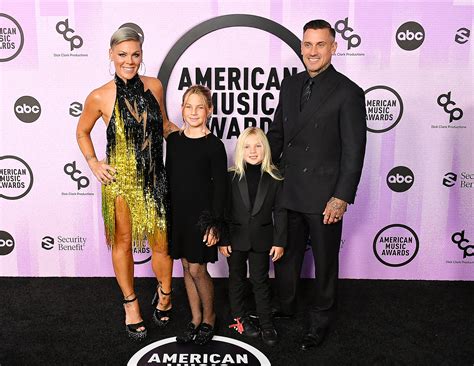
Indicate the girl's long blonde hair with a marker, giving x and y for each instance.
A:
(239, 162)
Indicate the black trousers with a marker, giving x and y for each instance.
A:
(325, 242)
(258, 270)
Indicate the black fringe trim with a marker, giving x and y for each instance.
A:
(207, 221)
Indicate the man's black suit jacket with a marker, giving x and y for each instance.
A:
(320, 150)
(253, 228)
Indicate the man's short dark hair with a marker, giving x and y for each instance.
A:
(319, 24)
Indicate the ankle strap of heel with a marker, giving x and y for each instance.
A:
(165, 293)
(125, 301)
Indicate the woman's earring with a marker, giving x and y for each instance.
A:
(110, 69)
(144, 68)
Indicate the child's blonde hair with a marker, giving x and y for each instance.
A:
(240, 163)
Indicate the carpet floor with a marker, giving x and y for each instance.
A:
(79, 321)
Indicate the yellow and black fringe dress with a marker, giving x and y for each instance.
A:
(135, 150)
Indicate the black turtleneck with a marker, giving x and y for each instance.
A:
(252, 174)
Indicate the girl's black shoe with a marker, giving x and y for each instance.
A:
(188, 334)
(161, 317)
(132, 329)
(204, 334)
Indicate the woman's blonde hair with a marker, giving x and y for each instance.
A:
(239, 161)
(125, 34)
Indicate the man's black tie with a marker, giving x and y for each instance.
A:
(306, 92)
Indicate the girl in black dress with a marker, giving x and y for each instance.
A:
(196, 163)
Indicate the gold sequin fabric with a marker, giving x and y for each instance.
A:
(135, 150)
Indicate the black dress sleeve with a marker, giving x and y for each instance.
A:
(218, 164)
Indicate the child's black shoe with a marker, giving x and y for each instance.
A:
(245, 327)
(269, 336)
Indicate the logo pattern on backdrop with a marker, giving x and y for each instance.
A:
(75, 41)
(400, 179)
(16, 177)
(384, 108)
(396, 245)
(81, 180)
(410, 36)
(11, 38)
(7, 243)
(27, 109)
(346, 32)
(463, 243)
(462, 35)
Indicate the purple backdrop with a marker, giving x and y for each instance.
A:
(413, 213)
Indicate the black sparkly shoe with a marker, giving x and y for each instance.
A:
(188, 334)
(132, 329)
(204, 334)
(161, 317)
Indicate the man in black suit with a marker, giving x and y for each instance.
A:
(318, 137)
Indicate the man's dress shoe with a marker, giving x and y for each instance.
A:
(313, 338)
(276, 313)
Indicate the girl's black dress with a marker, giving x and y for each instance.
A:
(197, 173)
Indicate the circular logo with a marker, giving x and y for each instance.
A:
(410, 36)
(396, 245)
(221, 22)
(400, 179)
(136, 28)
(220, 351)
(11, 38)
(16, 177)
(7, 243)
(384, 108)
(47, 243)
(27, 109)
(141, 255)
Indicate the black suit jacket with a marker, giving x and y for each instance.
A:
(254, 228)
(320, 150)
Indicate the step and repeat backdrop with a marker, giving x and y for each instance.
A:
(413, 216)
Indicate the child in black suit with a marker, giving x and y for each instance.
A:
(254, 235)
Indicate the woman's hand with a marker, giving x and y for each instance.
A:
(102, 171)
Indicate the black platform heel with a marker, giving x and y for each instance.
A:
(158, 314)
(132, 329)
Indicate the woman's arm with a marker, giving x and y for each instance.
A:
(89, 116)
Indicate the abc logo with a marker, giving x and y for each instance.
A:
(400, 179)
(7, 243)
(27, 109)
(410, 36)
